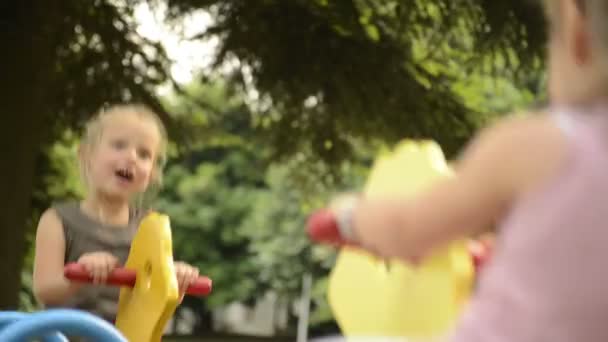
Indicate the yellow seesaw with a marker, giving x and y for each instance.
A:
(149, 293)
(372, 297)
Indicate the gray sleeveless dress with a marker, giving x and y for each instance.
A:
(83, 235)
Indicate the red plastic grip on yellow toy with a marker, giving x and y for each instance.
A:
(126, 277)
(322, 227)
(480, 252)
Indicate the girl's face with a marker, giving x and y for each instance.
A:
(122, 163)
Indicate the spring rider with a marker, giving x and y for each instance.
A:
(372, 297)
(148, 295)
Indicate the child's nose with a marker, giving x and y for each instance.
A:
(132, 154)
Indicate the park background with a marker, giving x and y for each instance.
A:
(271, 105)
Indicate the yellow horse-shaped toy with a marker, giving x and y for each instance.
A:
(371, 297)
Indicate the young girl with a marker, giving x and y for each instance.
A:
(544, 178)
(121, 155)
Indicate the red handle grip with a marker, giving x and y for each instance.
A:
(481, 252)
(126, 277)
(322, 227)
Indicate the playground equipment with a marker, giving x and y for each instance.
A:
(372, 297)
(148, 296)
(19, 327)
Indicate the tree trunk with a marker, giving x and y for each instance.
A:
(26, 69)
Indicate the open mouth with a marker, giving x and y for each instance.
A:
(124, 174)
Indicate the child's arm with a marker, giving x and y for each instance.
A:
(50, 286)
(497, 167)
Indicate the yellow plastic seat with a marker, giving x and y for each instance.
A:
(373, 297)
(145, 309)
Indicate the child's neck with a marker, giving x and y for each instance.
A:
(107, 211)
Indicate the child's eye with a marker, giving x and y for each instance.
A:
(144, 154)
(119, 144)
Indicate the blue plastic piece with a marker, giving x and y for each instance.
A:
(10, 317)
(70, 322)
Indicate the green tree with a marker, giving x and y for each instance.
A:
(210, 187)
(280, 249)
(237, 215)
(207, 206)
(330, 71)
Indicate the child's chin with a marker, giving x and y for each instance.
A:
(119, 194)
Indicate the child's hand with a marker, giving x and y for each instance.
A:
(347, 208)
(99, 265)
(186, 275)
(343, 207)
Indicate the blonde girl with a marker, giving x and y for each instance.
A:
(121, 156)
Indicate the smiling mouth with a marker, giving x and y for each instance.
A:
(124, 174)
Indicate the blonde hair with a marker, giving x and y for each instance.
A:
(95, 127)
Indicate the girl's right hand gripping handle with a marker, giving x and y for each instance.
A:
(126, 277)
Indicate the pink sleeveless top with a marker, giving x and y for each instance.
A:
(548, 279)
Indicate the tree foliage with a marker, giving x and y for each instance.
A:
(330, 71)
(236, 214)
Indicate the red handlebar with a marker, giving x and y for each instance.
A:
(322, 227)
(126, 277)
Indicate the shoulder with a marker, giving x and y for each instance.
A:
(59, 216)
(64, 208)
(518, 151)
(49, 225)
(70, 214)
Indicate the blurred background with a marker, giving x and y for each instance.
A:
(271, 105)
